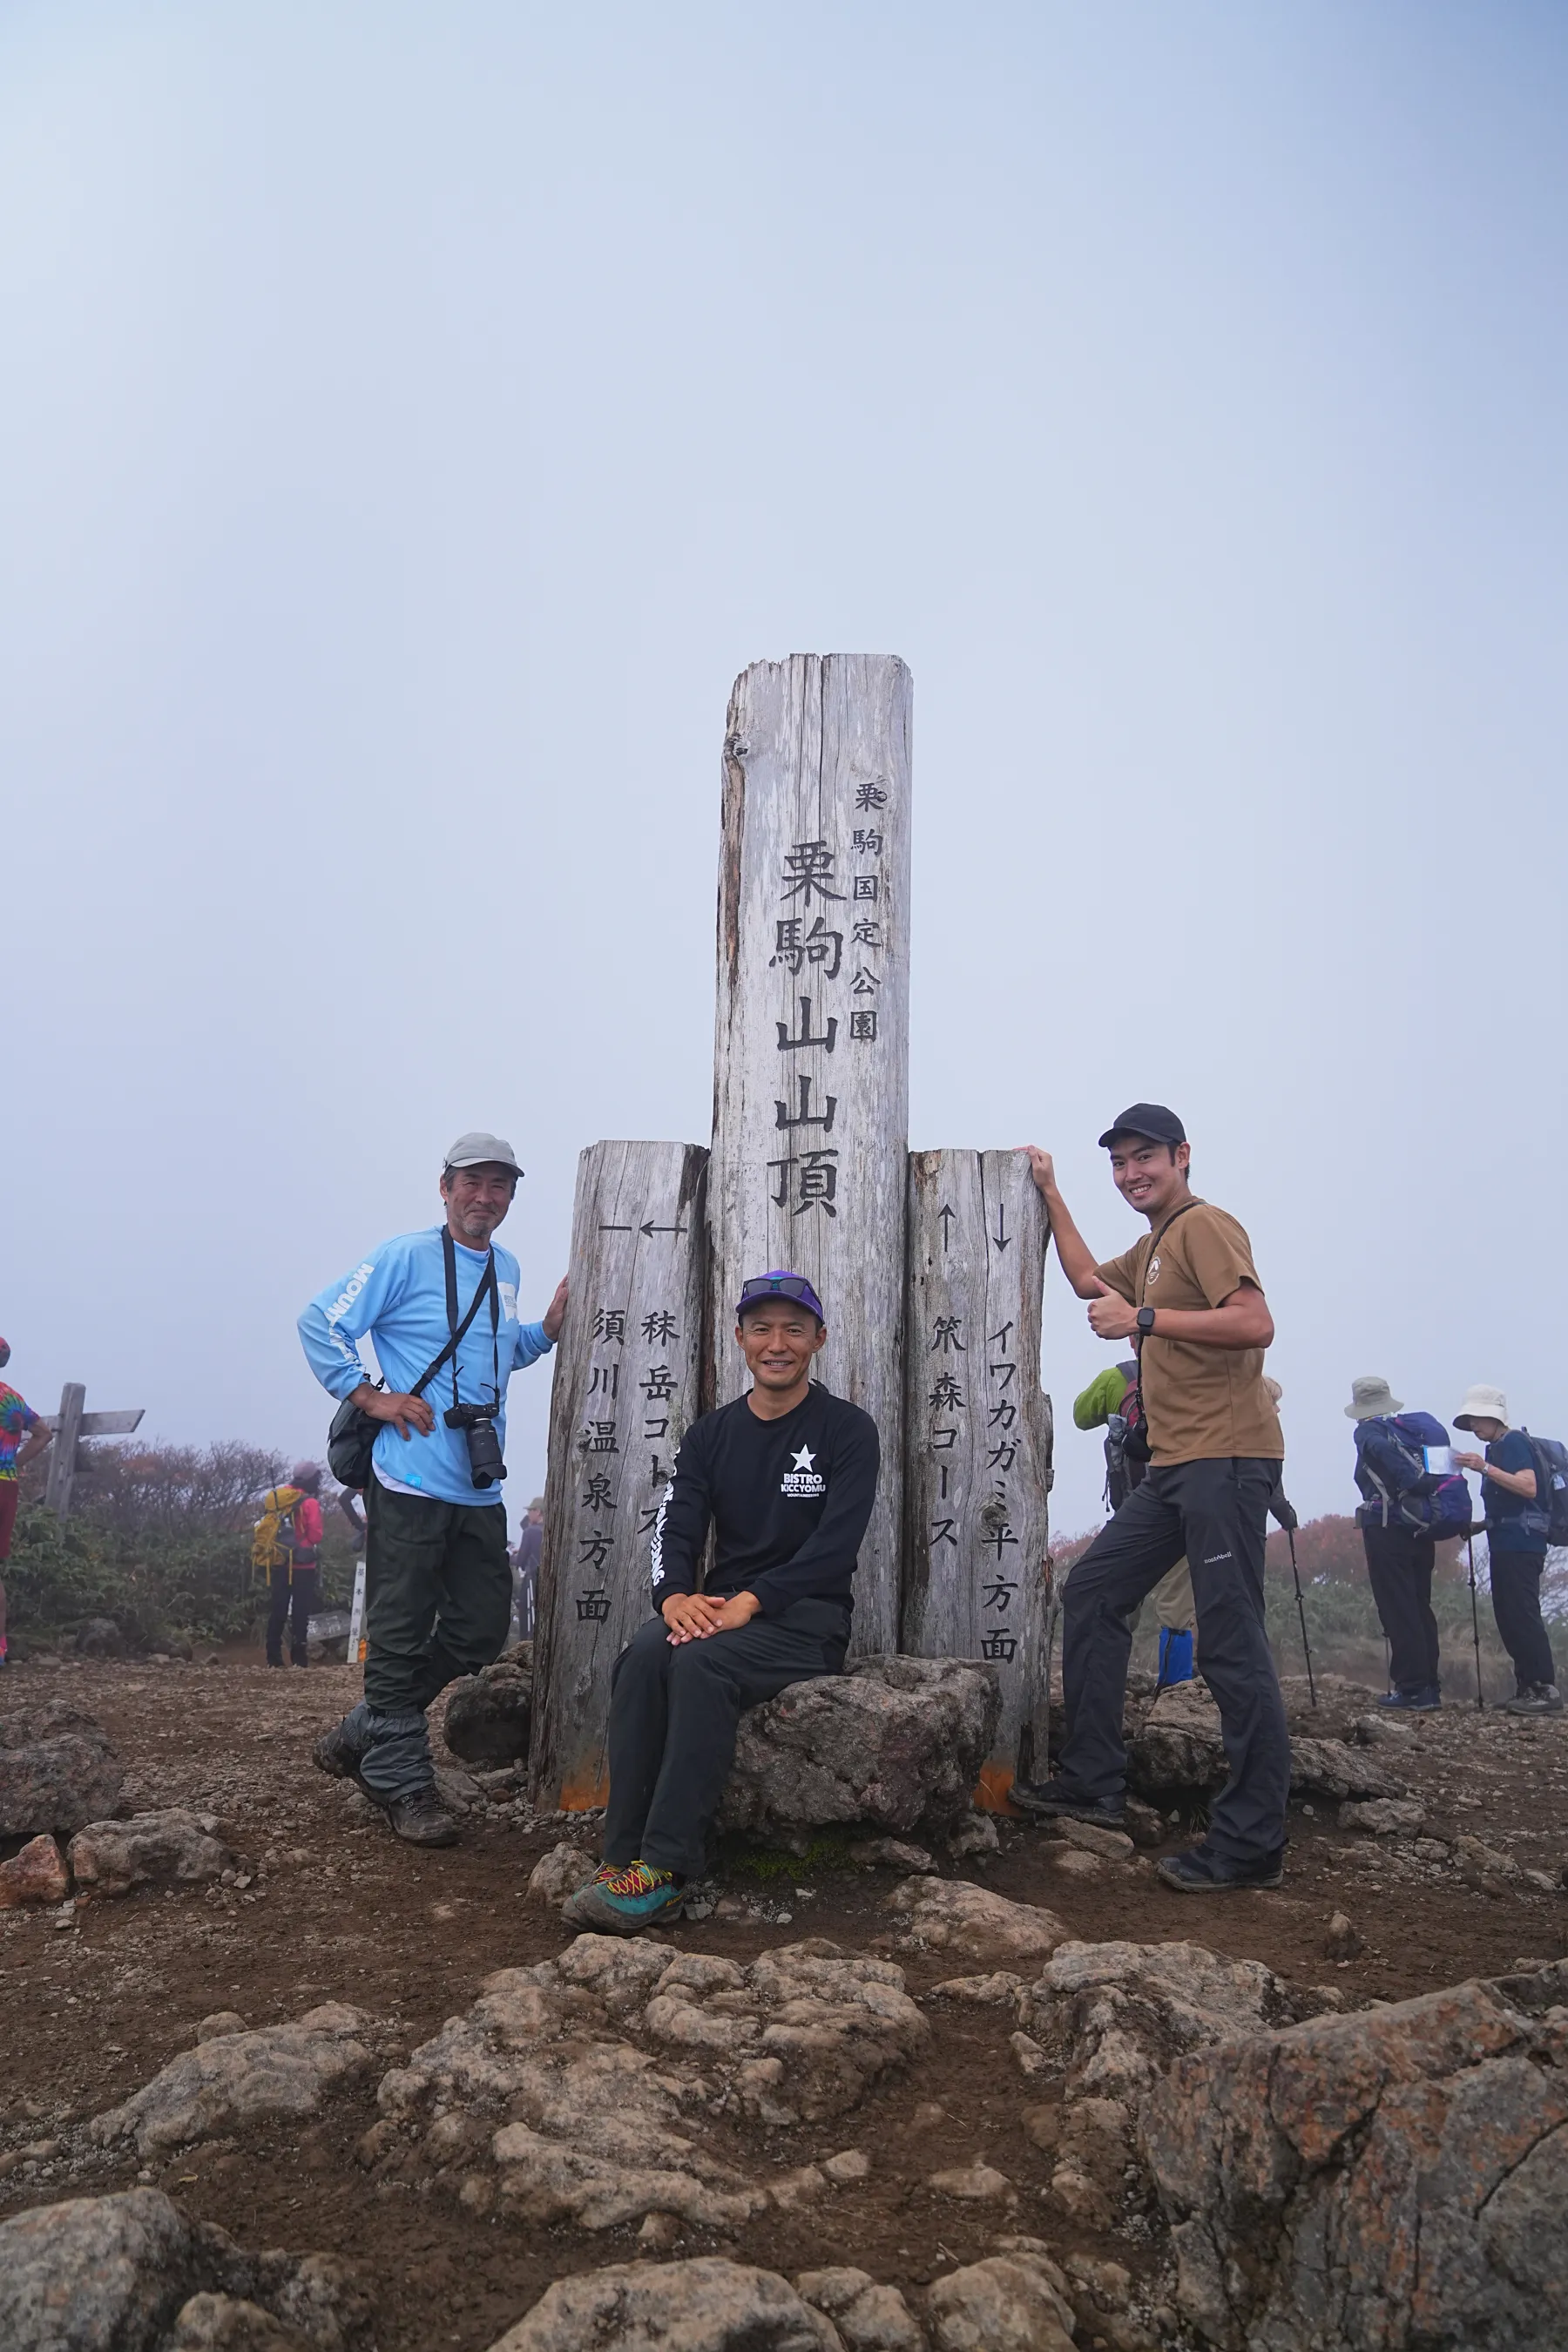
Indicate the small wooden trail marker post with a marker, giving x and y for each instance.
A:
(810, 1169)
(978, 1459)
(627, 1382)
(811, 1056)
(70, 1425)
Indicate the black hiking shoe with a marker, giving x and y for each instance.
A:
(1053, 1800)
(422, 1819)
(1198, 1872)
(335, 1754)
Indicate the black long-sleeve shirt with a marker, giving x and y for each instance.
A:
(790, 1500)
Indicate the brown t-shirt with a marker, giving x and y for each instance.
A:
(1202, 1404)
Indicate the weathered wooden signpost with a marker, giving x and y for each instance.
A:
(70, 1425)
(978, 1458)
(811, 1056)
(627, 1381)
(930, 1269)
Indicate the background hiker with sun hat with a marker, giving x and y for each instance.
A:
(1519, 1519)
(1411, 1498)
(787, 1476)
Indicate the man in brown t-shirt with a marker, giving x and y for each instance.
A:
(1188, 1294)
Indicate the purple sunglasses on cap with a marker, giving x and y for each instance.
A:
(779, 1286)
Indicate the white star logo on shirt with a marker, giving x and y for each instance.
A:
(805, 1459)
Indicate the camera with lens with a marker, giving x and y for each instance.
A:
(478, 1424)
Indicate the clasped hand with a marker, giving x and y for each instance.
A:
(692, 1616)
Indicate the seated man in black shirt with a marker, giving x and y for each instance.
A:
(788, 1474)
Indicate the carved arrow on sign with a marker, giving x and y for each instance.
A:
(650, 1229)
(946, 1215)
(1002, 1237)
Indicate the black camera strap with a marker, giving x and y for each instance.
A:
(486, 1285)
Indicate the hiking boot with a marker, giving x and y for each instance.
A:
(422, 1819)
(622, 1901)
(336, 1754)
(1424, 1701)
(1198, 1872)
(1053, 1800)
(1535, 1698)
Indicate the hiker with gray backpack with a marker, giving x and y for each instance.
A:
(1525, 1482)
(1413, 1497)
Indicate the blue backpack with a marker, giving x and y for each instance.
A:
(1548, 1515)
(1388, 1453)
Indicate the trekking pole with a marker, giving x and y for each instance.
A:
(1301, 1613)
(1286, 1514)
(1475, 1614)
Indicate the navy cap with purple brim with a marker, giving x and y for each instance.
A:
(1151, 1120)
(781, 1283)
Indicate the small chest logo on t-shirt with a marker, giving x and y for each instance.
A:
(1153, 1273)
(803, 1480)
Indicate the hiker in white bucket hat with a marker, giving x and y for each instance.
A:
(1516, 1540)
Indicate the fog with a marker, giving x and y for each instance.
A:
(412, 419)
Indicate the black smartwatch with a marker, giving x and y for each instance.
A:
(1145, 1320)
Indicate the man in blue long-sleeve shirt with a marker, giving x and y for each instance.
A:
(437, 1579)
(787, 1475)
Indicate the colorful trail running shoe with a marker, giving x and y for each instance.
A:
(622, 1901)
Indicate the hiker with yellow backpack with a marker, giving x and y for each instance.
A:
(286, 1547)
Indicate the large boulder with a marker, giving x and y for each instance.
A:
(964, 1922)
(869, 2317)
(1111, 2017)
(895, 1742)
(1381, 2182)
(37, 1875)
(489, 1714)
(236, 2080)
(170, 1848)
(1009, 2303)
(1178, 1746)
(704, 2305)
(58, 1770)
(586, 2089)
(1108, 2020)
(131, 2273)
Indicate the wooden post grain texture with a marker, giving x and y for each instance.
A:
(979, 1458)
(811, 1065)
(627, 1377)
(62, 1453)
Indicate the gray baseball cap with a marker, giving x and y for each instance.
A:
(475, 1148)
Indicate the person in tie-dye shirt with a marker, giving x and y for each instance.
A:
(22, 1435)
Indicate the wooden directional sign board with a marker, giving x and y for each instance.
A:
(627, 1377)
(979, 1437)
(810, 1071)
(70, 1425)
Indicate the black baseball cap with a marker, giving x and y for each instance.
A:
(1151, 1120)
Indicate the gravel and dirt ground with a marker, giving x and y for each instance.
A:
(336, 1910)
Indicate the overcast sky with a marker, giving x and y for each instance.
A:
(412, 418)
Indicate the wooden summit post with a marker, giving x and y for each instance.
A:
(811, 1057)
(627, 1382)
(978, 1459)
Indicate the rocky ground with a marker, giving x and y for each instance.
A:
(319, 2041)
